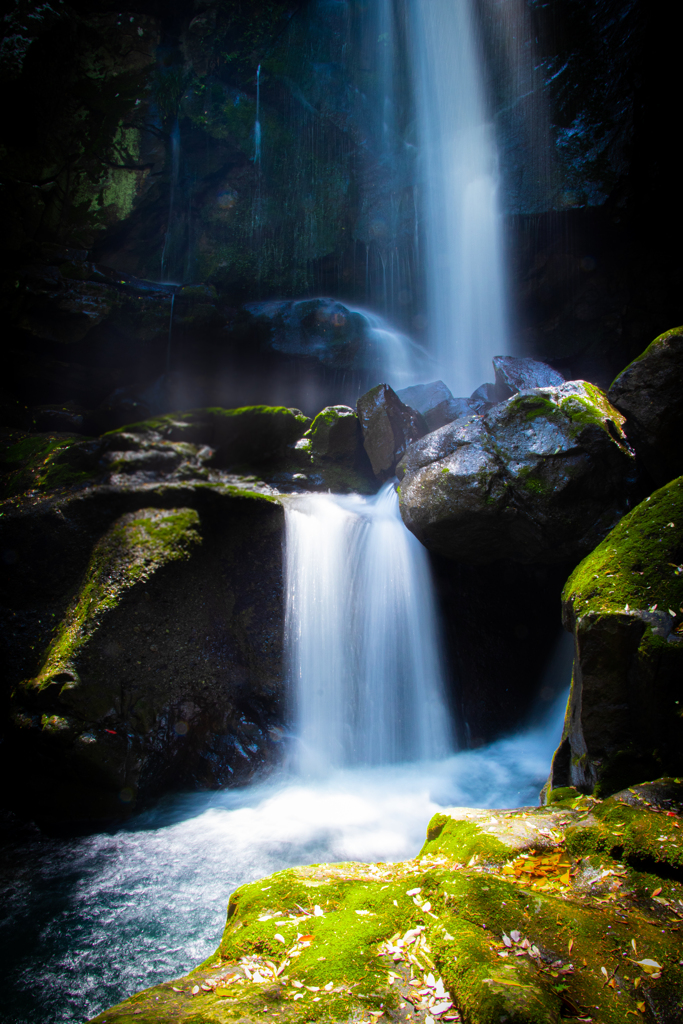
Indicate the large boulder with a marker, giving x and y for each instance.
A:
(388, 428)
(504, 916)
(541, 477)
(142, 645)
(649, 394)
(624, 604)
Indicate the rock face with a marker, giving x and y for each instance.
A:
(540, 478)
(501, 917)
(435, 402)
(162, 664)
(624, 604)
(648, 392)
(388, 428)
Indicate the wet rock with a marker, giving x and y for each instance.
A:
(648, 393)
(322, 329)
(162, 668)
(623, 604)
(485, 396)
(513, 375)
(335, 434)
(435, 402)
(456, 921)
(541, 477)
(388, 428)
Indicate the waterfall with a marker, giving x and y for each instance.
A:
(362, 645)
(467, 319)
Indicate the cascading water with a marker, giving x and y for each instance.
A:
(363, 650)
(467, 317)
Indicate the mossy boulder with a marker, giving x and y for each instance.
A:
(248, 436)
(624, 604)
(142, 650)
(541, 477)
(648, 393)
(501, 917)
(388, 428)
(331, 456)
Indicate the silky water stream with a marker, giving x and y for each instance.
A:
(87, 921)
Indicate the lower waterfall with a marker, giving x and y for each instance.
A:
(361, 636)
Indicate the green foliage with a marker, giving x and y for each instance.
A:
(41, 462)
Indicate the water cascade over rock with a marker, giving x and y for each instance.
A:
(361, 635)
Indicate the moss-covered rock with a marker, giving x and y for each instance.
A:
(159, 665)
(499, 917)
(541, 477)
(648, 393)
(624, 604)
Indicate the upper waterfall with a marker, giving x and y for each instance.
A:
(465, 277)
(361, 635)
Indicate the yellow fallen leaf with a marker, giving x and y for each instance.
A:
(657, 891)
(571, 945)
(641, 1007)
(649, 966)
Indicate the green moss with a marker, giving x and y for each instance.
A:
(639, 564)
(461, 840)
(42, 462)
(129, 553)
(659, 341)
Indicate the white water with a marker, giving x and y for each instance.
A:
(361, 636)
(467, 317)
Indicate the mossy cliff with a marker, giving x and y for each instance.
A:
(528, 916)
(624, 604)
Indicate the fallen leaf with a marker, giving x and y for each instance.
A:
(649, 966)
(507, 941)
(604, 971)
(657, 891)
(571, 945)
(279, 938)
(515, 936)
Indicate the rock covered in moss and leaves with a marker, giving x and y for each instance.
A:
(388, 428)
(526, 915)
(648, 392)
(541, 477)
(624, 604)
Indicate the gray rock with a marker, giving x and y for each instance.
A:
(513, 375)
(541, 477)
(649, 394)
(388, 428)
(435, 402)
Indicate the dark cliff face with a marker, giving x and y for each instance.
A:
(129, 143)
